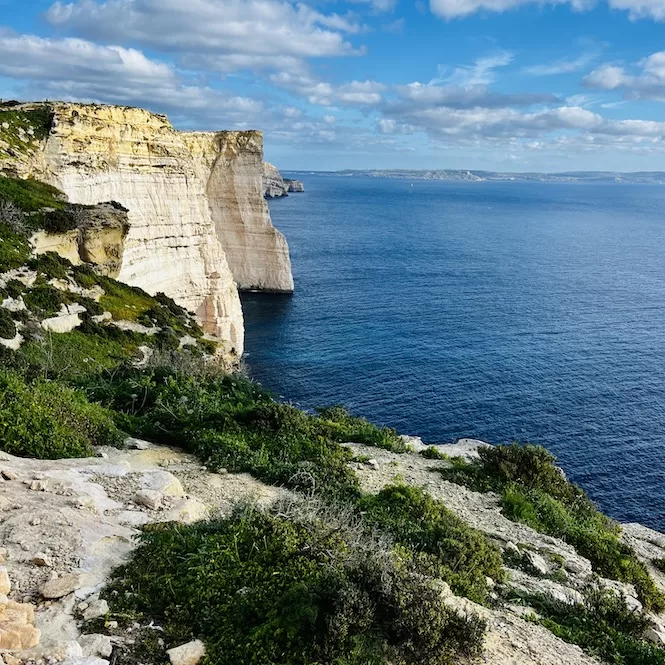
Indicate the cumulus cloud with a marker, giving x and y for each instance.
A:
(322, 93)
(78, 69)
(227, 33)
(647, 83)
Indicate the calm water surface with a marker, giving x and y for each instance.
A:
(499, 311)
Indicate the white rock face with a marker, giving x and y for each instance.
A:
(198, 220)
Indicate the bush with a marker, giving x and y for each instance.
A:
(45, 299)
(49, 421)
(603, 627)
(432, 452)
(535, 491)
(271, 588)
(463, 557)
(7, 325)
(230, 422)
(51, 264)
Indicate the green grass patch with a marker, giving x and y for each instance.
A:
(46, 420)
(460, 555)
(269, 588)
(46, 299)
(30, 195)
(123, 301)
(534, 491)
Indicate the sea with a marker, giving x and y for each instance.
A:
(501, 311)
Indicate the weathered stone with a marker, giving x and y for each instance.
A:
(536, 562)
(97, 608)
(96, 645)
(5, 584)
(39, 485)
(8, 474)
(149, 498)
(61, 586)
(187, 654)
(43, 560)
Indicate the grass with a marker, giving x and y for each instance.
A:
(47, 420)
(31, 195)
(602, 626)
(534, 491)
(14, 248)
(290, 589)
(460, 555)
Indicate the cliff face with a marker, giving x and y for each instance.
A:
(198, 221)
(274, 186)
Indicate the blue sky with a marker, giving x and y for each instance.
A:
(511, 85)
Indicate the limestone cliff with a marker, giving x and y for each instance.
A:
(275, 186)
(198, 221)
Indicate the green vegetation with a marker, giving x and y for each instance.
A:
(30, 195)
(603, 627)
(14, 248)
(48, 420)
(458, 554)
(534, 491)
(7, 325)
(290, 588)
(21, 128)
(659, 564)
(232, 423)
(432, 452)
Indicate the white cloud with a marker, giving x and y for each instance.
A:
(242, 33)
(78, 69)
(647, 83)
(481, 72)
(563, 66)
(321, 93)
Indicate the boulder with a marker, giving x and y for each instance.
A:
(187, 654)
(61, 586)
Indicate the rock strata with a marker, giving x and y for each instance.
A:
(275, 186)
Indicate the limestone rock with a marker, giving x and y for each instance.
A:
(98, 608)
(85, 660)
(149, 498)
(536, 562)
(96, 645)
(5, 584)
(187, 654)
(274, 186)
(61, 586)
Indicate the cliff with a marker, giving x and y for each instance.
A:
(275, 186)
(198, 222)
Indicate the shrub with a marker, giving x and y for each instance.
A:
(31, 195)
(230, 422)
(45, 299)
(51, 264)
(7, 325)
(49, 421)
(534, 491)
(603, 627)
(432, 452)
(270, 588)
(463, 556)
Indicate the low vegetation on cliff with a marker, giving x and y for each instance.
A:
(339, 572)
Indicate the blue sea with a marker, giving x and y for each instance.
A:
(499, 311)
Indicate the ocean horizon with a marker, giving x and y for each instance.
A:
(502, 311)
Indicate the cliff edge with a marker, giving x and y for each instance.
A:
(199, 227)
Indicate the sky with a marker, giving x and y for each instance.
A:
(505, 85)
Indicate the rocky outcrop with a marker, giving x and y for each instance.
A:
(274, 186)
(198, 221)
(99, 238)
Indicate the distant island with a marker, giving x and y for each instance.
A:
(642, 177)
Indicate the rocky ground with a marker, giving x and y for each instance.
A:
(65, 524)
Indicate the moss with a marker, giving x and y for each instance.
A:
(272, 589)
(46, 420)
(7, 325)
